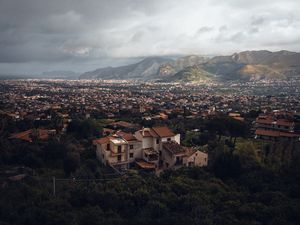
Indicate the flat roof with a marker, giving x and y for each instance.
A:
(145, 165)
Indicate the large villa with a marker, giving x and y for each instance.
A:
(153, 149)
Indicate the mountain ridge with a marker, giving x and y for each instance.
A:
(242, 66)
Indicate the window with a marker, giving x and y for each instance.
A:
(108, 147)
(178, 161)
(119, 149)
(169, 139)
(131, 155)
(119, 158)
(157, 141)
(160, 153)
(131, 146)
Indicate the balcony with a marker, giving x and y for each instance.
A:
(150, 155)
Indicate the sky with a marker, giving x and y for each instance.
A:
(82, 35)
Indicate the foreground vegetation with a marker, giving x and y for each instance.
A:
(240, 186)
(188, 196)
(236, 189)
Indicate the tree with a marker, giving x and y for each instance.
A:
(227, 165)
(83, 129)
(71, 162)
(248, 156)
(235, 129)
(216, 126)
(54, 152)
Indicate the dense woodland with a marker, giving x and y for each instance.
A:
(241, 185)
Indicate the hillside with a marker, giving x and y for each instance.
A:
(191, 74)
(243, 66)
(259, 72)
(147, 69)
(255, 65)
(179, 64)
(143, 70)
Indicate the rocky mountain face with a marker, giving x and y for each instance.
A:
(255, 65)
(248, 65)
(179, 64)
(191, 74)
(152, 68)
(147, 69)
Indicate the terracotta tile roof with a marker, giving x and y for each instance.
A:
(25, 136)
(101, 140)
(42, 134)
(283, 122)
(163, 131)
(174, 148)
(127, 136)
(239, 118)
(148, 132)
(145, 165)
(269, 121)
(273, 133)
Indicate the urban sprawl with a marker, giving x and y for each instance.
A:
(136, 132)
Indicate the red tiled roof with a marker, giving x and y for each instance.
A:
(273, 133)
(101, 140)
(174, 148)
(269, 121)
(27, 135)
(127, 136)
(282, 122)
(163, 131)
(146, 132)
(239, 118)
(145, 165)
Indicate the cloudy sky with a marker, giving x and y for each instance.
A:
(80, 35)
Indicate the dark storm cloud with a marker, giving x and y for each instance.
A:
(97, 32)
(56, 30)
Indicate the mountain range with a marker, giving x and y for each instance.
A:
(243, 66)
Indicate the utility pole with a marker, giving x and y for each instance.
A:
(54, 191)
